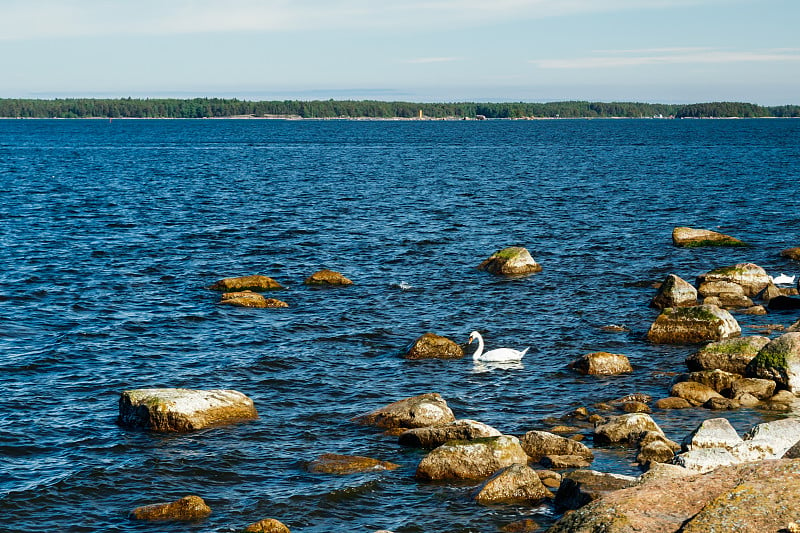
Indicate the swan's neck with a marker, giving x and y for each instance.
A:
(479, 351)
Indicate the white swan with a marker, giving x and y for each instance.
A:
(499, 354)
(782, 279)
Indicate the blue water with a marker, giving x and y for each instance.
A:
(111, 232)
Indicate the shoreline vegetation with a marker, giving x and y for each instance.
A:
(374, 109)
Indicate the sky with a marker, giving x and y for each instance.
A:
(665, 51)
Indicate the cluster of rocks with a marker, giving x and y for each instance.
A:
(245, 291)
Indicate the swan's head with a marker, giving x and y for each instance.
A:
(473, 336)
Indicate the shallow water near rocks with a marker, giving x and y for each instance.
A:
(111, 233)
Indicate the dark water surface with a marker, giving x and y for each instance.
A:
(110, 233)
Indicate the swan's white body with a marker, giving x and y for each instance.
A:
(783, 279)
(499, 354)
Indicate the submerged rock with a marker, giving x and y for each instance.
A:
(628, 428)
(791, 253)
(251, 299)
(415, 412)
(331, 463)
(675, 292)
(730, 355)
(602, 363)
(327, 277)
(268, 525)
(432, 437)
(751, 277)
(187, 509)
(510, 261)
(693, 238)
(517, 483)
(432, 346)
(784, 303)
(181, 410)
(779, 361)
(475, 459)
(693, 392)
(246, 283)
(687, 325)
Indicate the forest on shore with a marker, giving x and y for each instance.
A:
(322, 109)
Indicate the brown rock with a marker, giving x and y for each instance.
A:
(432, 346)
(751, 277)
(331, 463)
(635, 407)
(628, 428)
(719, 380)
(538, 444)
(687, 325)
(580, 487)
(268, 525)
(475, 459)
(327, 277)
(717, 287)
(433, 437)
(251, 299)
(673, 402)
(693, 238)
(791, 253)
(730, 355)
(187, 509)
(727, 300)
(656, 451)
(779, 361)
(527, 525)
(510, 261)
(516, 483)
(181, 410)
(415, 412)
(675, 292)
(720, 404)
(602, 363)
(760, 388)
(246, 283)
(560, 462)
(693, 392)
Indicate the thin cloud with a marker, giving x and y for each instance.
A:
(426, 60)
(38, 19)
(678, 56)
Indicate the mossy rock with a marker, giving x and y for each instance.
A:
(779, 361)
(693, 238)
(688, 325)
(514, 260)
(752, 278)
(250, 299)
(187, 509)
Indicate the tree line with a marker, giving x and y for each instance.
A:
(232, 107)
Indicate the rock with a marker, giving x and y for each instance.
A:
(720, 404)
(528, 525)
(510, 261)
(784, 303)
(181, 410)
(673, 402)
(602, 363)
(692, 238)
(770, 292)
(675, 292)
(719, 380)
(516, 483)
(538, 444)
(432, 346)
(760, 388)
(752, 278)
(712, 433)
(693, 392)
(717, 287)
(728, 300)
(686, 325)
(703, 460)
(251, 299)
(755, 310)
(794, 327)
(779, 361)
(187, 509)
(791, 253)
(628, 428)
(580, 487)
(635, 407)
(793, 452)
(655, 452)
(783, 396)
(730, 355)
(268, 525)
(327, 277)
(475, 459)
(433, 437)
(246, 283)
(769, 440)
(657, 471)
(560, 462)
(416, 412)
(331, 463)
(748, 498)
(550, 478)
(747, 400)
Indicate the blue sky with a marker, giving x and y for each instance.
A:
(669, 51)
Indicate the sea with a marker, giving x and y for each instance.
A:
(111, 233)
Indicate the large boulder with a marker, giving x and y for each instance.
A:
(769, 440)
(779, 360)
(327, 277)
(517, 483)
(752, 278)
(474, 459)
(719, 380)
(246, 283)
(432, 346)
(747, 498)
(628, 428)
(730, 355)
(712, 433)
(692, 238)
(580, 487)
(187, 509)
(675, 292)
(433, 437)
(510, 261)
(702, 460)
(181, 410)
(602, 363)
(415, 412)
(687, 325)
(538, 444)
(693, 392)
(250, 299)
(784, 303)
(332, 463)
(761, 389)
